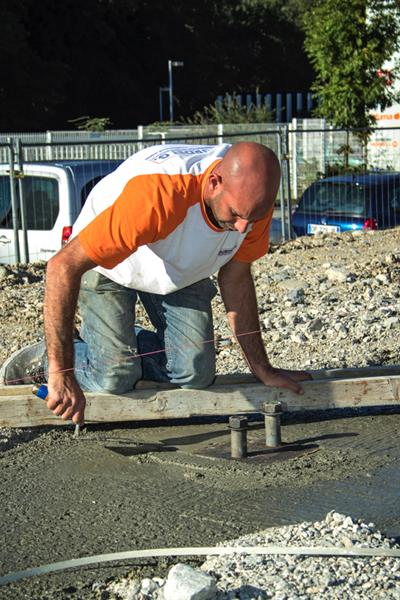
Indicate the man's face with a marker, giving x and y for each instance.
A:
(226, 214)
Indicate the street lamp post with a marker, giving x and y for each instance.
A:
(160, 96)
(172, 63)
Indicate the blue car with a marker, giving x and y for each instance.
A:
(349, 203)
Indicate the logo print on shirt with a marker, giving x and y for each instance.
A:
(227, 251)
(182, 151)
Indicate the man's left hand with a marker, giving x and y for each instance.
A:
(295, 375)
(283, 378)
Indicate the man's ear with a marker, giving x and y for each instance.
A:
(214, 181)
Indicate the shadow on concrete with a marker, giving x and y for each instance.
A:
(138, 449)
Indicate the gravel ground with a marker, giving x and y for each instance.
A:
(325, 302)
(288, 577)
(311, 577)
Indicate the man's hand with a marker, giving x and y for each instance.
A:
(284, 378)
(65, 398)
(63, 277)
(238, 293)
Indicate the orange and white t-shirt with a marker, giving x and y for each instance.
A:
(145, 225)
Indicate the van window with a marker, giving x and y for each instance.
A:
(41, 202)
(5, 203)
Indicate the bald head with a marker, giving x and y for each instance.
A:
(252, 165)
(246, 182)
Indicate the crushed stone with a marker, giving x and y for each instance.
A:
(289, 577)
(309, 318)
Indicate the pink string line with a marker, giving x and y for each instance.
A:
(133, 357)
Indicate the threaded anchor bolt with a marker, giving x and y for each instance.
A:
(272, 419)
(238, 427)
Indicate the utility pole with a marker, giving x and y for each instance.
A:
(172, 63)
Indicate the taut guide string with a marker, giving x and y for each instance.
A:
(134, 356)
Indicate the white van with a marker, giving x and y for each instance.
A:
(53, 194)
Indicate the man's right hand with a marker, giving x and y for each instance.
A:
(63, 276)
(65, 398)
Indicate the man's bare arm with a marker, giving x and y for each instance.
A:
(63, 277)
(239, 296)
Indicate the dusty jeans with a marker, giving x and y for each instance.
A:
(178, 351)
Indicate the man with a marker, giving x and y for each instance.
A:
(158, 227)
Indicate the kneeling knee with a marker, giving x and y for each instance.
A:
(198, 381)
(116, 387)
(118, 384)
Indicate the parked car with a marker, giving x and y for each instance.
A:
(349, 203)
(54, 193)
(275, 231)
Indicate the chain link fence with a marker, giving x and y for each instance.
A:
(42, 173)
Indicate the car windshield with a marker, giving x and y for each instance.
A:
(335, 198)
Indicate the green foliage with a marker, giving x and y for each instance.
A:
(229, 110)
(91, 123)
(342, 168)
(348, 42)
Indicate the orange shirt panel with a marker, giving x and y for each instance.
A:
(149, 209)
(256, 242)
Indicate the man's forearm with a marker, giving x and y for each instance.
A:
(63, 277)
(240, 301)
(59, 311)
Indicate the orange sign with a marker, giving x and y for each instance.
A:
(387, 116)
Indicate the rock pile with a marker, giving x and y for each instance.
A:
(325, 301)
(283, 577)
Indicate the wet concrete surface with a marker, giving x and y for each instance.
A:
(150, 486)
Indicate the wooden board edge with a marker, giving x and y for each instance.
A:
(25, 410)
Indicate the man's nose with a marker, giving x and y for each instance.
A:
(241, 225)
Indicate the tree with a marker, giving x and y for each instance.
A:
(348, 42)
(27, 100)
(109, 57)
(229, 110)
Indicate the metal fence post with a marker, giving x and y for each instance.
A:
(140, 136)
(323, 149)
(14, 205)
(49, 149)
(286, 176)
(20, 161)
(281, 187)
(220, 131)
(293, 156)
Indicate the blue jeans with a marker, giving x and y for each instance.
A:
(177, 351)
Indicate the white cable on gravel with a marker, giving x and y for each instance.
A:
(195, 551)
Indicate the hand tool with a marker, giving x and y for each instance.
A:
(41, 391)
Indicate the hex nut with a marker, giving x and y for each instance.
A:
(238, 422)
(274, 407)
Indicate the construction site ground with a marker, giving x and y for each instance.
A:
(128, 487)
(325, 302)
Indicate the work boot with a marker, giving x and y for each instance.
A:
(26, 365)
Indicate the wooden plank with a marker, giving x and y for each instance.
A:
(15, 390)
(356, 372)
(239, 378)
(25, 410)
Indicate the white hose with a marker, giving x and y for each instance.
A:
(211, 551)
